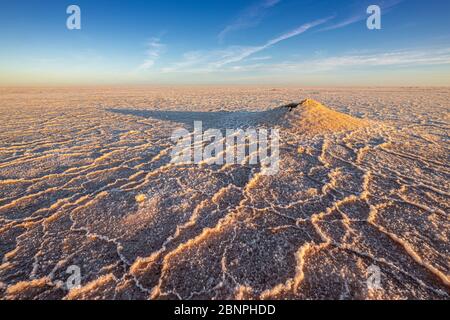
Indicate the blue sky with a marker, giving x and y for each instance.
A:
(305, 42)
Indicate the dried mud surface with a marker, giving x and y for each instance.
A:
(86, 180)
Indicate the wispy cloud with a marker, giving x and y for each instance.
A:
(154, 49)
(246, 52)
(393, 58)
(345, 22)
(216, 59)
(399, 58)
(324, 65)
(262, 58)
(249, 17)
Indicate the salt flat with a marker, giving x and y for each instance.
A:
(86, 180)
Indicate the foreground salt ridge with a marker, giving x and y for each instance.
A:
(343, 201)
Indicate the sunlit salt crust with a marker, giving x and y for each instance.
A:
(86, 180)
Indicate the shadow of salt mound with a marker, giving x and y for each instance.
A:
(210, 120)
(308, 117)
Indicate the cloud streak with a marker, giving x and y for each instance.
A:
(402, 58)
(391, 59)
(154, 49)
(250, 17)
(217, 59)
(252, 50)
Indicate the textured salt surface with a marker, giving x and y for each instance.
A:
(86, 179)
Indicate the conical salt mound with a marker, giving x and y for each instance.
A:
(311, 117)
